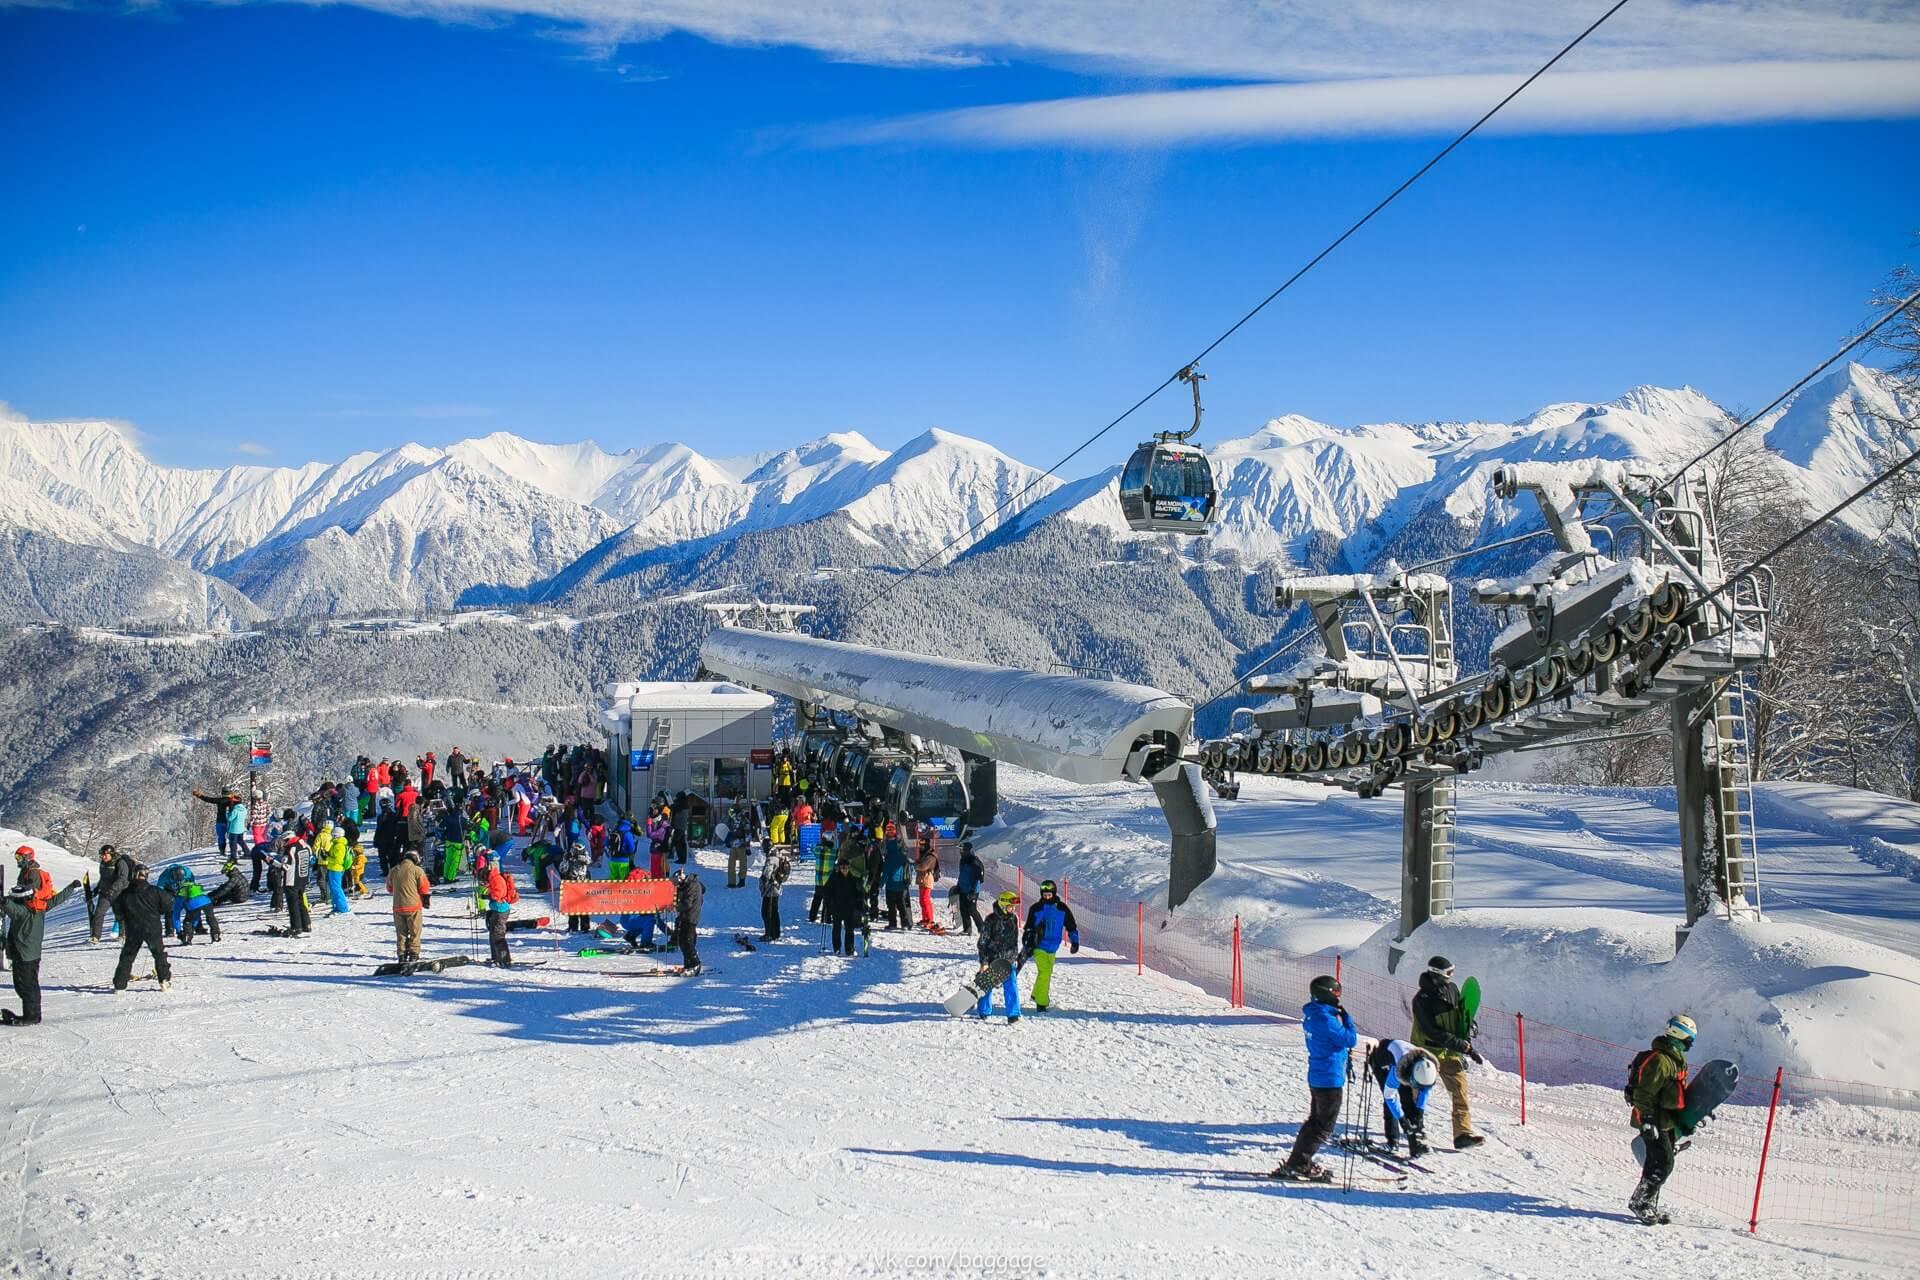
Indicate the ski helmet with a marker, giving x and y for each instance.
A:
(1007, 898)
(1680, 1027)
(23, 854)
(1048, 886)
(1422, 1071)
(1325, 988)
(1440, 965)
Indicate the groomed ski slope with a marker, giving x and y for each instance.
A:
(282, 1112)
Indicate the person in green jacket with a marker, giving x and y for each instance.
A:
(1658, 1090)
(26, 925)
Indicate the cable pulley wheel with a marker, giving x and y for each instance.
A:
(1580, 660)
(1395, 739)
(1422, 734)
(1353, 750)
(1470, 713)
(1606, 646)
(1668, 602)
(1493, 702)
(1523, 690)
(1376, 746)
(1446, 725)
(1638, 624)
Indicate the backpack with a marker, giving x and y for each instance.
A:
(1634, 1070)
(513, 893)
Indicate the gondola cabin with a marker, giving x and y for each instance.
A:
(1167, 487)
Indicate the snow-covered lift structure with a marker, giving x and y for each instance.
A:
(1070, 727)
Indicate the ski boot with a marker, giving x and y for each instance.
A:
(1416, 1148)
(1467, 1141)
(1644, 1204)
(1312, 1171)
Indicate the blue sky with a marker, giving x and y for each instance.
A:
(290, 232)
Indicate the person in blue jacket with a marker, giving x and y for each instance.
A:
(1330, 1039)
(192, 909)
(1406, 1074)
(1048, 923)
(894, 873)
(966, 889)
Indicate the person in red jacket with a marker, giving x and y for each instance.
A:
(501, 895)
(32, 884)
(406, 799)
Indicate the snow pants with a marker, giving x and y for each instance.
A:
(1043, 978)
(97, 916)
(639, 929)
(357, 876)
(277, 888)
(736, 866)
(1009, 996)
(899, 914)
(769, 916)
(337, 892)
(1658, 1165)
(1322, 1115)
(926, 904)
(406, 932)
(969, 904)
(130, 946)
(1411, 1117)
(845, 930)
(299, 915)
(1453, 1074)
(497, 939)
(619, 869)
(259, 860)
(26, 984)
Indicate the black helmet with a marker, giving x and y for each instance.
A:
(1325, 988)
(1440, 965)
(107, 851)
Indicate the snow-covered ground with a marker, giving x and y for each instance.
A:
(282, 1112)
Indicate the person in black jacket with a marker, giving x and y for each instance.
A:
(844, 901)
(389, 834)
(1437, 1016)
(144, 909)
(233, 888)
(116, 873)
(688, 894)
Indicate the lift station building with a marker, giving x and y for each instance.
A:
(709, 738)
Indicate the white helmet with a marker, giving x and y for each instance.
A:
(1424, 1073)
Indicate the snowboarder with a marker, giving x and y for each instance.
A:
(144, 910)
(1436, 1028)
(1405, 1073)
(774, 869)
(233, 888)
(1000, 945)
(501, 895)
(1330, 1039)
(688, 894)
(843, 901)
(1657, 1088)
(25, 911)
(966, 888)
(411, 895)
(1048, 923)
(116, 873)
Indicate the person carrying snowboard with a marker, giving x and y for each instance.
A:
(688, 893)
(825, 860)
(1657, 1088)
(1437, 1015)
(1405, 1073)
(144, 910)
(1000, 945)
(1330, 1039)
(1048, 924)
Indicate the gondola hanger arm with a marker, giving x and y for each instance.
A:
(1193, 378)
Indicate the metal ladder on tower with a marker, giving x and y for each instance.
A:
(1440, 895)
(1739, 873)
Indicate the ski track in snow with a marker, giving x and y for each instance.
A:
(282, 1112)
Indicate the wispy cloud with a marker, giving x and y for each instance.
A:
(1573, 101)
(1234, 39)
(415, 412)
(253, 449)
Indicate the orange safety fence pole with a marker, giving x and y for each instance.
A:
(1760, 1178)
(1520, 1033)
(1336, 966)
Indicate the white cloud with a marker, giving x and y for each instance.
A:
(1239, 39)
(1571, 101)
(253, 449)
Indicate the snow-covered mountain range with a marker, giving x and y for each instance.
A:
(491, 517)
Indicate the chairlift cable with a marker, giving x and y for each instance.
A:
(1262, 305)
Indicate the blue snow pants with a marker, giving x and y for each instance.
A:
(337, 892)
(1010, 997)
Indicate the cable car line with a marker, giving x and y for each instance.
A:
(1187, 369)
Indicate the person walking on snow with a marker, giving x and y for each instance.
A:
(1657, 1088)
(144, 910)
(411, 895)
(688, 893)
(1050, 921)
(966, 887)
(842, 901)
(25, 912)
(1000, 943)
(1405, 1073)
(501, 895)
(1437, 1016)
(1330, 1039)
(773, 874)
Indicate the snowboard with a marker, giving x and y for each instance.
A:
(1711, 1086)
(515, 926)
(407, 968)
(1469, 1008)
(986, 979)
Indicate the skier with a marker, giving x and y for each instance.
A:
(842, 901)
(144, 910)
(966, 889)
(411, 895)
(501, 895)
(1657, 1088)
(1048, 921)
(299, 910)
(773, 873)
(116, 873)
(222, 809)
(1330, 1038)
(330, 846)
(1405, 1073)
(25, 911)
(688, 893)
(1000, 943)
(1436, 1028)
(899, 915)
(926, 874)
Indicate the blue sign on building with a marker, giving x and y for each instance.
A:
(642, 758)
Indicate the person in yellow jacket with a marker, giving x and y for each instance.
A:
(335, 858)
(357, 872)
